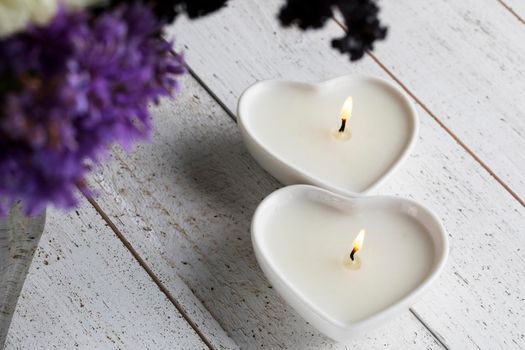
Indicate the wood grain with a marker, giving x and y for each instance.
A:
(85, 291)
(479, 298)
(516, 8)
(19, 237)
(466, 67)
(186, 200)
(193, 191)
(184, 301)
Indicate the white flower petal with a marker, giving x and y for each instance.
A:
(15, 15)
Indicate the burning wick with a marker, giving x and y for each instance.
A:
(343, 126)
(346, 113)
(354, 250)
(352, 261)
(358, 243)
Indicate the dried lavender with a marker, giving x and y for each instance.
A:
(69, 90)
(168, 10)
(360, 19)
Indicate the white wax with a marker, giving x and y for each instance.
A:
(298, 124)
(307, 241)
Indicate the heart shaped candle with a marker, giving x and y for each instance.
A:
(291, 129)
(303, 237)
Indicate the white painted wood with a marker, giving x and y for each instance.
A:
(479, 299)
(186, 200)
(19, 237)
(466, 65)
(85, 291)
(193, 192)
(514, 6)
(150, 242)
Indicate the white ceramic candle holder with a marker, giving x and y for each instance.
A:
(288, 128)
(303, 235)
(325, 301)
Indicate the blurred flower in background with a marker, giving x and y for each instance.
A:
(15, 15)
(71, 88)
(78, 75)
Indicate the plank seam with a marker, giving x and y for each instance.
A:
(211, 93)
(150, 272)
(436, 335)
(441, 124)
(511, 10)
(450, 132)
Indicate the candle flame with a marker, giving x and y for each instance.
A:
(358, 242)
(346, 111)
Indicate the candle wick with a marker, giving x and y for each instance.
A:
(352, 254)
(343, 125)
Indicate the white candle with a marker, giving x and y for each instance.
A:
(309, 240)
(303, 236)
(295, 123)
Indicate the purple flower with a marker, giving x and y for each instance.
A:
(70, 89)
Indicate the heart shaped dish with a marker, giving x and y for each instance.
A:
(302, 234)
(288, 127)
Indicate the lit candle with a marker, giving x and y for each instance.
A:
(303, 241)
(305, 237)
(346, 112)
(292, 129)
(351, 260)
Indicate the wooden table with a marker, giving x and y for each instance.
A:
(162, 258)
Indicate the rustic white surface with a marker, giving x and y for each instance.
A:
(19, 238)
(148, 238)
(516, 7)
(85, 291)
(466, 66)
(185, 201)
(470, 306)
(195, 189)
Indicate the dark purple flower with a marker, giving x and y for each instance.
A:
(69, 90)
(360, 17)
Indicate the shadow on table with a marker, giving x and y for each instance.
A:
(230, 185)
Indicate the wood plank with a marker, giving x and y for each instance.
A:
(19, 237)
(149, 246)
(84, 290)
(466, 66)
(193, 191)
(516, 8)
(478, 299)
